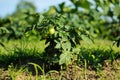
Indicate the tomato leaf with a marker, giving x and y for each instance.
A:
(66, 45)
(65, 58)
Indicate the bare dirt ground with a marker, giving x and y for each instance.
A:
(109, 71)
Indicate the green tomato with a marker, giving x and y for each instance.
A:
(51, 30)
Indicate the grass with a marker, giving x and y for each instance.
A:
(21, 49)
(16, 56)
(31, 44)
(102, 44)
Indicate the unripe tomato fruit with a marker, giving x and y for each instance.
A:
(51, 30)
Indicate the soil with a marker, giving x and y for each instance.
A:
(109, 71)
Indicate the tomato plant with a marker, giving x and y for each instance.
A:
(63, 35)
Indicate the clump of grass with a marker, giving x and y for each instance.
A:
(96, 54)
(19, 52)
